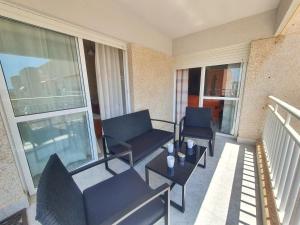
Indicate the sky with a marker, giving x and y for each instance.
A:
(13, 64)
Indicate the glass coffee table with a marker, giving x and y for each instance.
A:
(181, 172)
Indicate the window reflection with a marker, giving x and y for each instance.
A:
(40, 67)
(65, 135)
(222, 81)
(223, 114)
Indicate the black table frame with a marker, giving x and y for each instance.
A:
(173, 203)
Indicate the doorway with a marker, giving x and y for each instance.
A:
(194, 87)
(107, 83)
(218, 88)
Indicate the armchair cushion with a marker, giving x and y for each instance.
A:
(113, 195)
(197, 117)
(197, 132)
(144, 144)
(59, 200)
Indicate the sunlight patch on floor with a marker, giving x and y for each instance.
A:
(248, 209)
(215, 205)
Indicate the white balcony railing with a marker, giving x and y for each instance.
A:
(282, 148)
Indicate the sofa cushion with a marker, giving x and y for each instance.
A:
(144, 144)
(59, 200)
(113, 195)
(126, 127)
(197, 132)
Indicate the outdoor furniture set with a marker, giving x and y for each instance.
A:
(125, 198)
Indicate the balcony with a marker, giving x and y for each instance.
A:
(225, 192)
(229, 189)
(62, 74)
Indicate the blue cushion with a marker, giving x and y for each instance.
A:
(197, 132)
(126, 127)
(144, 144)
(59, 200)
(197, 117)
(115, 194)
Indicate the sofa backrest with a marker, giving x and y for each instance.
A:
(197, 117)
(126, 127)
(59, 200)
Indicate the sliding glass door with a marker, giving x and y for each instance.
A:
(44, 92)
(221, 94)
(220, 87)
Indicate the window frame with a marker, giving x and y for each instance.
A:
(14, 120)
(23, 15)
(202, 97)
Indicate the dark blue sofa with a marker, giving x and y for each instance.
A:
(134, 132)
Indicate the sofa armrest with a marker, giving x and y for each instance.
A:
(170, 122)
(164, 121)
(98, 162)
(126, 145)
(132, 208)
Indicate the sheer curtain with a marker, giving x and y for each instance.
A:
(108, 72)
(42, 75)
(41, 69)
(182, 82)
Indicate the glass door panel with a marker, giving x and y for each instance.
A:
(222, 81)
(41, 69)
(44, 83)
(223, 113)
(221, 94)
(68, 136)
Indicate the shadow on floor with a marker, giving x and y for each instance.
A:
(225, 192)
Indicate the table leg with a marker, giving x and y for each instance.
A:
(204, 164)
(182, 206)
(172, 185)
(183, 199)
(147, 175)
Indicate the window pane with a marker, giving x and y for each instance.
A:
(65, 135)
(223, 81)
(223, 113)
(40, 68)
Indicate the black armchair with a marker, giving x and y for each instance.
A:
(122, 199)
(197, 123)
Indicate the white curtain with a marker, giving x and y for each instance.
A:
(182, 82)
(41, 69)
(109, 83)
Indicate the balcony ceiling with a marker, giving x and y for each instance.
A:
(176, 18)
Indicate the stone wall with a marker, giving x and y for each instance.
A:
(12, 196)
(273, 69)
(151, 81)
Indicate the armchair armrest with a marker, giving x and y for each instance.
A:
(180, 123)
(132, 208)
(98, 162)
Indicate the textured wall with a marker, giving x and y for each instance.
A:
(151, 81)
(273, 69)
(12, 197)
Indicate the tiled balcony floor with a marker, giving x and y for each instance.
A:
(225, 192)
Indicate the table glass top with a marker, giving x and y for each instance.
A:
(181, 171)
